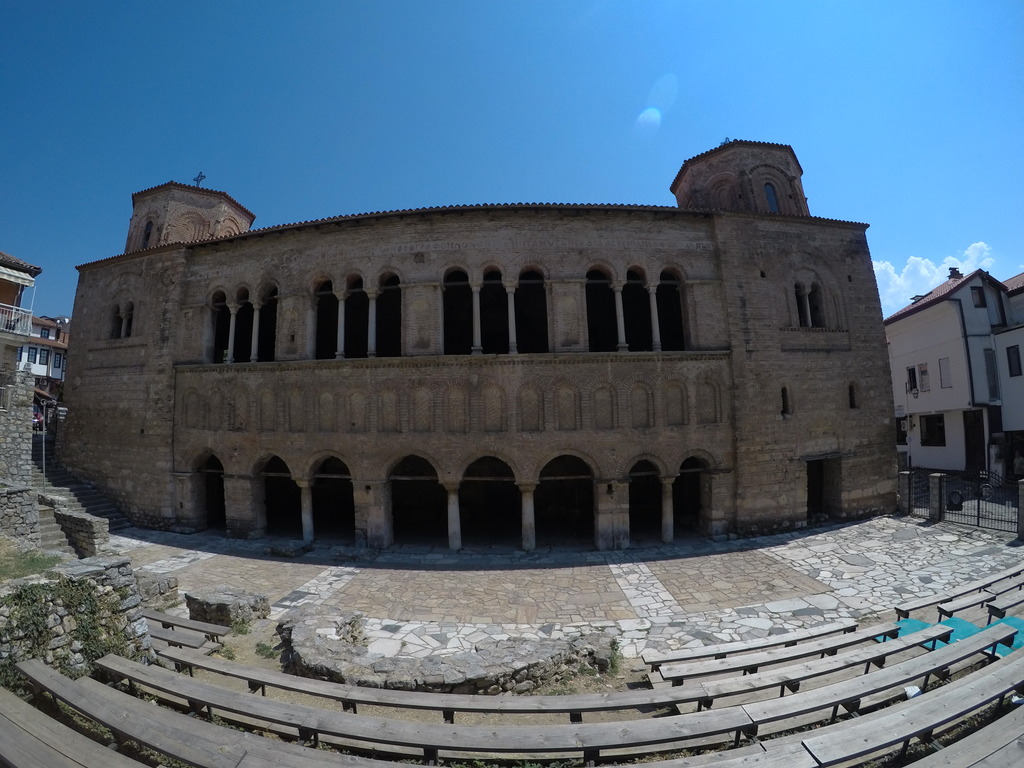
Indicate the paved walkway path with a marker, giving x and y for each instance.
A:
(428, 601)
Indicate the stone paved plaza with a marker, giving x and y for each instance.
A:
(426, 601)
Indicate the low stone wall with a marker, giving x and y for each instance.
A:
(88, 534)
(19, 514)
(87, 609)
(330, 646)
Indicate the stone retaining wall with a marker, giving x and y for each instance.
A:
(88, 534)
(330, 646)
(86, 609)
(19, 515)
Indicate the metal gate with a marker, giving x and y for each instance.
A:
(918, 506)
(982, 499)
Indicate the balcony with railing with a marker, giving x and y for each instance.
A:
(15, 322)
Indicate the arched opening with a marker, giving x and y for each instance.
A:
(644, 503)
(116, 322)
(221, 317)
(147, 233)
(601, 324)
(326, 321)
(803, 311)
(816, 306)
(282, 499)
(531, 304)
(267, 343)
(389, 317)
(458, 314)
(243, 328)
(564, 502)
(212, 490)
(688, 492)
(490, 505)
(419, 503)
(670, 313)
(129, 318)
(333, 507)
(851, 394)
(771, 197)
(493, 315)
(787, 406)
(636, 312)
(357, 314)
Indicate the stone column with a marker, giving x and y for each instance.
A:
(620, 321)
(477, 344)
(936, 495)
(371, 325)
(306, 493)
(905, 489)
(232, 309)
(668, 520)
(529, 528)
(340, 353)
(454, 517)
(510, 293)
(652, 292)
(254, 355)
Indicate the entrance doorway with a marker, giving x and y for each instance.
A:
(212, 473)
(564, 502)
(490, 506)
(419, 503)
(644, 503)
(688, 496)
(824, 487)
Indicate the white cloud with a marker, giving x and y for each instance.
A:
(919, 276)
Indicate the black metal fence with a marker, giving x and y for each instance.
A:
(983, 499)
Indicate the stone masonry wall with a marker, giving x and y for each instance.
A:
(16, 429)
(91, 607)
(19, 515)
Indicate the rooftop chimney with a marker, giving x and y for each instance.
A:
(954, 273)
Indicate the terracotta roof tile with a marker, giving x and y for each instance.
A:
(1015, 283)
(938, 293)
(730, 145)
(193, 188)
(15, 263)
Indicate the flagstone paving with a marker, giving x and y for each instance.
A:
(425, 600)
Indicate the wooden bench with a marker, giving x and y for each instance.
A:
(999, 744)
(981, 597)
(918, 717)
(849, 694)
(178, 637)
(903, 610)
(654, 659)
(749, 663)
(999, 606)
(30, 739)
(448, 704)
(633, 737)
(213, 632)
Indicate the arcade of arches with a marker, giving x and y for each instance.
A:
(488, 506)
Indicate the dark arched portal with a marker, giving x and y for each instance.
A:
(281, 498)
(212, 489)
(490, 506)
(419, 503)
(333, 508)
(644, 503)
(688, 495)
(564, 502)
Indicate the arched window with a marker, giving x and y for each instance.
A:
(147, 233)
(129, 317)
(636, 312)
(221, 318)
(670, 313)
(531, 313)
(389, 317)
(357, 319)
(266, 343)
(243, 327)
(115, 322)
(326, 321)
(601, 323)
(816, 306)
(787, 408)
(458, 313)
(851, 393)
(493, 315)
(771, 197)
(803, 312)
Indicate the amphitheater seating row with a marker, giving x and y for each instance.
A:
(904, 610)
(830, 745)
(788, 678)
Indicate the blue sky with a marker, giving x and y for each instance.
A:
(904, 115)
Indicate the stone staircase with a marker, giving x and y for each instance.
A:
(51, 537)
(81, 496)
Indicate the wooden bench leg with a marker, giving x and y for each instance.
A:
(575, 717)
(448, 715)
(430, 755)
(590, 756)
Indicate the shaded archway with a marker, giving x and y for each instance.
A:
(670, 313)
(602, 326)
(221, 319)
(493, 315)
(457, 304)
(636, 312)
(357, 319)
(644, 503)
(490, 506)
(326, 322)
(281, 498)
(242, 352)
(419, 503)
(531, 305)
(333, 508)
(267, 342)
(688, 495)
(564, 502)
(389, 317)
(212, 493)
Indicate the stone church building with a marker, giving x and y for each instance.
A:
(520, 375)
